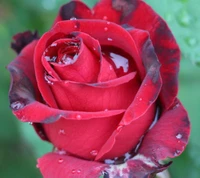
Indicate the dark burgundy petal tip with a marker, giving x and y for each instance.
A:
(23, 39)
(40, 131)
(125, 6)
(74, 9)
(137, 167)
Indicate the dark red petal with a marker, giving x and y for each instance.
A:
(142, 109)
(169, 136)
(23, 39)
(97, 96)
(23, 89)
(140, 15)
(165, 46)
(82, 138)
(74, 9)
(26, 112)
(53, 165)
(103, 10)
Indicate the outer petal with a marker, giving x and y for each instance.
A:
(140, 113)
(53, 165)
(169, 136)
(140, 15)
(74, 9)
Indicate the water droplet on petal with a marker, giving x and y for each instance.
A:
(109, 161)
(108, 23)
(178, 136)
(30, 123)
(106, 28)
(109, 39)
(120, 61)
(60, 160)
(140, 99)
(73, 18)
(37, 166)
(176, 106)
(54, 44)
(78, 171)
(78, 117)
(75, 26)
(46, 78)
(73, 171)
(105, 17)
(17, 105)
(94, 152)
(106, 110)
(61, 132)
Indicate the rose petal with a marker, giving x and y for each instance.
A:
(23, 88)
(64, 28)
(23, 39)
(74, 9)
(68, 67)
(142, 108)
(169, 136)
(82, 138)
(165, 47)
(97, 96)
(53, 165)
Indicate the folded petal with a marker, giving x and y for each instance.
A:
(23, 39)
(72, 10)
(53, 165)
(141, 111)
(168, 138)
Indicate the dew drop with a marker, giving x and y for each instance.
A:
(78, 171)
(30, 123)
(75, 26)
(54, 44)
(37, 166)
(176, 106)
(109, 161)
(73, 18)
(17, 105)
(140, 99)
(106, 29)
(94, 152)
(108, 23)
(106, 110)
(73, 171)
(94, 48)
(60, 160)
(61, 152)
(61, 132)
(105, 17)
(109, 39)
(78, 117)
(46, 78)
(110, 67)
(120, 61)
(178, 136)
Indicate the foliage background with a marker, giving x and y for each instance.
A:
(19, 145)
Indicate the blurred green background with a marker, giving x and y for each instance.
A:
(20, 146)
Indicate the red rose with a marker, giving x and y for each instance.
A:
(101, 86)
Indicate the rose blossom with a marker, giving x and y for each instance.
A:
(101, 86)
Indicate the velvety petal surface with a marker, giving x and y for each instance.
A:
(140, 113)
(55, 165)
(169, 136)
